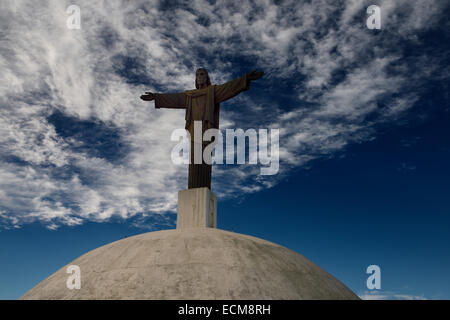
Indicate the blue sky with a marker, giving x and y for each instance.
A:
(363, 118)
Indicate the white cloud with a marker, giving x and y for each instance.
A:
(388, 295)
(47, 67)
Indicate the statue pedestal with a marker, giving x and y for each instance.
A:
(197, 208)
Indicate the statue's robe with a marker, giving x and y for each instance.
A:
(201, 105)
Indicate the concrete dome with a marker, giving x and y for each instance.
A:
(199, 263)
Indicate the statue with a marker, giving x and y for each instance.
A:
(202, 104)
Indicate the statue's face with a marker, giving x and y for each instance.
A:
(201, 77)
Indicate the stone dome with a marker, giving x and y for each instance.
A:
(197, 263)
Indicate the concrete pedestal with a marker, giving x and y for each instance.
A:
(197, 208)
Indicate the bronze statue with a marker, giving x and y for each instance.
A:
(202, 104)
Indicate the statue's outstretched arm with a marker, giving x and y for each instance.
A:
(148, 96)
(166, 100)
(255, 75)
(232, 88)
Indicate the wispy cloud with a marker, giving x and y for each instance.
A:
(406, 168)
(329, 81)
(389, 295)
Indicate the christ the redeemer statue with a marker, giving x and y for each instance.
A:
(202, 104)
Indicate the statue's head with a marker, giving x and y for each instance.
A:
(202, 78)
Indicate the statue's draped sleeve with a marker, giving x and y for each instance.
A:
(170, 100)
(230, 89)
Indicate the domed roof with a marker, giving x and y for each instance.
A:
(197, 263)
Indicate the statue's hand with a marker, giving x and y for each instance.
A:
(255, 75)
(148, 96)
